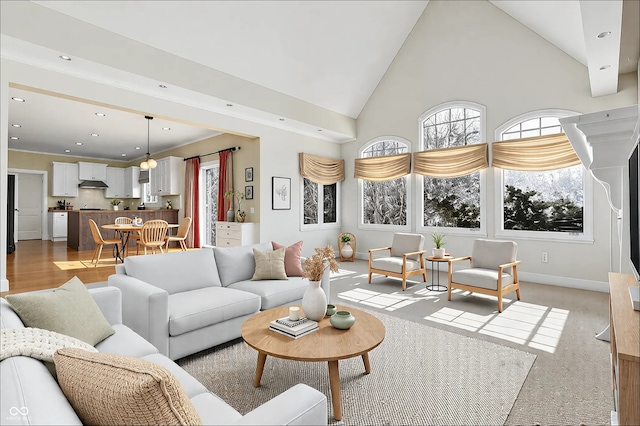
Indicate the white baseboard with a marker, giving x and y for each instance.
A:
(4, 285)
(576, 283)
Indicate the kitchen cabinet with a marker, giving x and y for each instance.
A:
(64, 180)
(234, 234)
(57, 226)
(92, 171)
(115, 183)
(165, 178)
(131, 184)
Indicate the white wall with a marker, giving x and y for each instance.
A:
(472, 51)
(279, 148)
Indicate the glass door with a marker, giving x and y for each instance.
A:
(209, 202)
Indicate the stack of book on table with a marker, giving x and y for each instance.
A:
(294, 329)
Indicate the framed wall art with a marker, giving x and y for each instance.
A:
(280, 193)
(248, 192)
(248, 174)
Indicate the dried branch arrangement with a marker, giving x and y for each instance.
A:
(315, 265)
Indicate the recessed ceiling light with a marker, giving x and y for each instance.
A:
(137, 147)
(94, 134)
(604, 67)
(16, 125)
(166, 128)
(67, 150)
(123, 155)
(281, 119)
(15, 138)
(319, 130)
(79, 143)
(100, 114)
(65, 57)
(162, 86)
(18, 99)
(604, 34)
(229, 105)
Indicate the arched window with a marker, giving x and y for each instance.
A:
(454, 203)
(384, 204)
(552, 205)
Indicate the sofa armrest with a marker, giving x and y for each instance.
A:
(145, 310)
(299, 405)
(109, 300)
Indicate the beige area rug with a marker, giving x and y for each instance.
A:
(82, 264)
(419, 375)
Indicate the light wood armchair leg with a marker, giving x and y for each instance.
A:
(500, 302)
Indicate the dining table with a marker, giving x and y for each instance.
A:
(125, 230)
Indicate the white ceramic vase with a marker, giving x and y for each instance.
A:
(115, 208)
(314, 301)
(347, 251)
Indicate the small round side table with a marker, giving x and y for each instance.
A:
(435, 273)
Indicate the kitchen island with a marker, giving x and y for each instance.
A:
(79, 233)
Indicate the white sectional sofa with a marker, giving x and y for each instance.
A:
(30, 395)
(185, 302)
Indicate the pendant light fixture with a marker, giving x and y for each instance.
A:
(148, 163)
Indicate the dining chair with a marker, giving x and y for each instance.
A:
(100, 242)
(181, 235)
(152, 236)
(133, 236)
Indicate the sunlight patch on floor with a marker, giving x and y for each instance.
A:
(388, 302)
(528, 324)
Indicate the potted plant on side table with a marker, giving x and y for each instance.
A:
(438, 240)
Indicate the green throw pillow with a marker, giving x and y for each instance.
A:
(68, 310)
(269, 265)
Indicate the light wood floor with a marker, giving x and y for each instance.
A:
(31, 266)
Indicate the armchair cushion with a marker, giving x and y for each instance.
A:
(394, 264)
(406, 243)
(481, 277)
(490, 254)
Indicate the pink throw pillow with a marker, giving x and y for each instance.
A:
(292, 261)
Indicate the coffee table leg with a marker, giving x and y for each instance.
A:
(367, 365)
(262, 357)
(334, 384)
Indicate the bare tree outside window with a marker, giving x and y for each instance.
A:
(452, 202)
(210, 204)
(314, 212)
(385, 203)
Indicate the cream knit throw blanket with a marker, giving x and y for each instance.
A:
(36, 343)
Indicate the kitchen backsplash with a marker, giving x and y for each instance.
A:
(94, 198)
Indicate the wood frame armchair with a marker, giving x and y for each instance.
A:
(487, 272)
(406, 258)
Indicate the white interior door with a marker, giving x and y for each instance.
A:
(29, 204)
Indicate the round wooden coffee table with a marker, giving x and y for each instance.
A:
(326, 344)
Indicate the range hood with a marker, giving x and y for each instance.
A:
(92, 184)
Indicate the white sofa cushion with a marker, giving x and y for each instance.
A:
(196, 309)
(126, 342)
(176, 271)
(237, 263)
(274, 292)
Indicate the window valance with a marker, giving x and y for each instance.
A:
(381, 169)
(535, 154)
(322, 170)
(451, 162)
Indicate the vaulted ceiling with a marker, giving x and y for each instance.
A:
(327, 55)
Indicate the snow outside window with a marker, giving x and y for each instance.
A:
(384, 205)
(455, 204)
(320, 205)
(549, 205)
